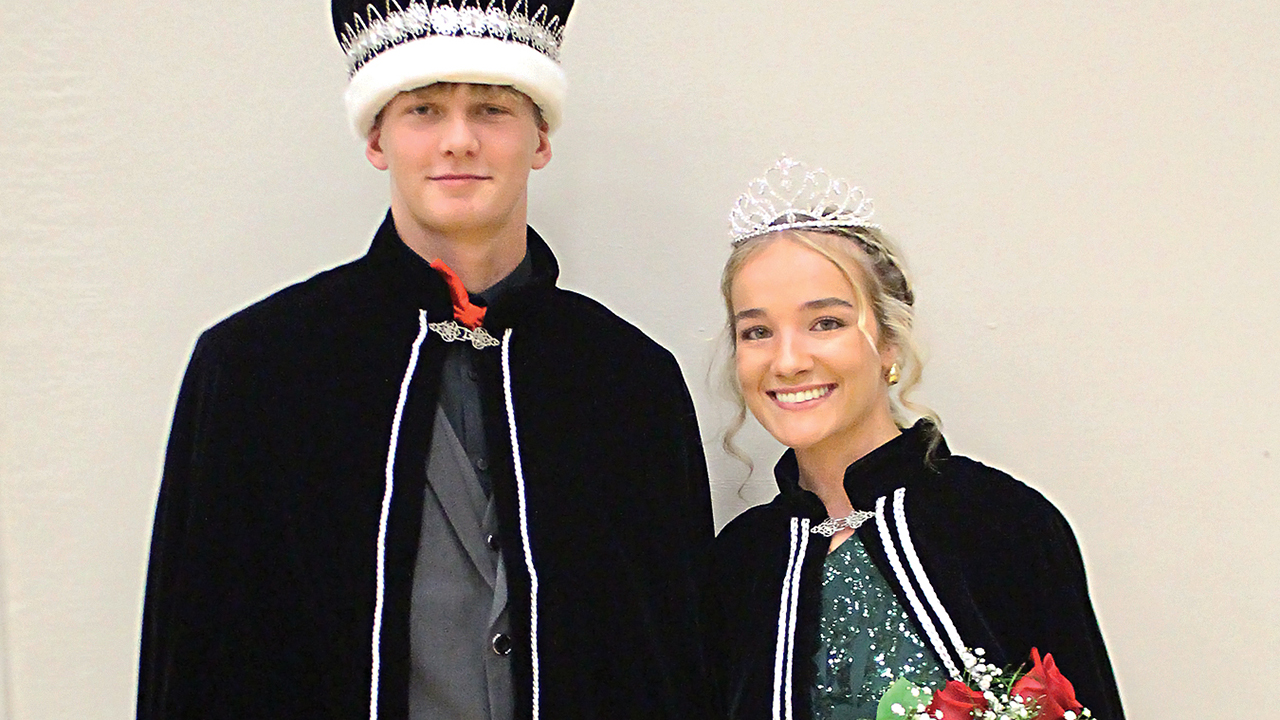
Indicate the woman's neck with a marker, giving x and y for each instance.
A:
(822, 467)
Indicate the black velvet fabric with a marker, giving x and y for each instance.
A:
(261, 586)
(1001, 557)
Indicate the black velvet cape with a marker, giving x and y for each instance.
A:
(261, 587)
(1002, 559)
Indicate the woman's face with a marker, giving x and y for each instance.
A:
(808, 373)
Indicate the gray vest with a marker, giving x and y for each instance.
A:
(459, 628)
(459, 632)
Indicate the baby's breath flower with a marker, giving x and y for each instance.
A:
(994, 684)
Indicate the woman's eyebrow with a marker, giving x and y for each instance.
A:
(818, 304)
(826, 303)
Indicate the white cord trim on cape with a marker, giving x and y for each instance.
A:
(524, 521)
(781, 645)
(386, 513)
(913, 560)
(791, 624)
(905, 582)
(784, 652)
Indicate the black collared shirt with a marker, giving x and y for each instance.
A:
(459, 391)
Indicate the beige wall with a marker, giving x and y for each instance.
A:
(1087, 196)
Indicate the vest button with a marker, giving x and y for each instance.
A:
(482, 464)
(493, 542)
(501, 644)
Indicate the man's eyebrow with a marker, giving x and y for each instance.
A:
(489, 92)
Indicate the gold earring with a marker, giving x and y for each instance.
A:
(892, 377)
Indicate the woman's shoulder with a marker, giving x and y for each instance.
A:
(972, 503)
(753, 554)
(757, 533)
(763, 519)
(967, 482)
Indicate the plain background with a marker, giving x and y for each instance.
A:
(1086, 192)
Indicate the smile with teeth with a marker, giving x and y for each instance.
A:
(802, 395)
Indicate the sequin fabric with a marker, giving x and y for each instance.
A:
(865, 640)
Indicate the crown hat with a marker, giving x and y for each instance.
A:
(394, 47)
(793, 196)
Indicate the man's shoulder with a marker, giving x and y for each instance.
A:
(296, 305)
(591, 321)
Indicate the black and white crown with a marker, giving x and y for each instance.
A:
(395, 47)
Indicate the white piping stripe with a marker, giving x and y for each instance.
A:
(905, 582)
(779, 662)
(386, 513)
(791, 623)
(909, 549)
(524, 521)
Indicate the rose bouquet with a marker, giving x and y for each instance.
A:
(1041, 693)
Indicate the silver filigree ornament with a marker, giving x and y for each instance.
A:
(451, 331)
(793, 196)
(376, 31)
(852, 521)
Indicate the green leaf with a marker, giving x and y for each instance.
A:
(904, 694)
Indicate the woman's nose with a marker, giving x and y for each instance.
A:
(793, 357)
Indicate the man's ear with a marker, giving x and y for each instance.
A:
(373, 148)
(542, 155)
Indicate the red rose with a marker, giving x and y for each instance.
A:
(1044, 684)
(956, 701)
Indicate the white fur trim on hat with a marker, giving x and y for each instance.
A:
(448, 58)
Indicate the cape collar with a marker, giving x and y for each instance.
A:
(877, 473)
(414, 282)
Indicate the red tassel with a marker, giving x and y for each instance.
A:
(464, 311)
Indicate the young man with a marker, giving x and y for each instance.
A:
(430, 483)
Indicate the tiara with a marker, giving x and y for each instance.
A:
(367, 36)
(792, 196)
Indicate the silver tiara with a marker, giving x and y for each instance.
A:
(792, 196)
(365, 37)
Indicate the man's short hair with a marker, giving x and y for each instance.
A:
(539, 119)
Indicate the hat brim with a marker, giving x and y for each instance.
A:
(446, 58)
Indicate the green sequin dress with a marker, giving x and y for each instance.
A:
(865, 641)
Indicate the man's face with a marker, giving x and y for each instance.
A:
(459, 156)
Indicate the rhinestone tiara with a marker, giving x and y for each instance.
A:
(792, 196)
(364, 37)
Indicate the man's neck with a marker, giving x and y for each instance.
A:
(480, 258)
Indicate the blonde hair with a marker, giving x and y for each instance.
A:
(539, 120)
(872, 264)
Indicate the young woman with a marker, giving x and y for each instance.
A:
(883, 555)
